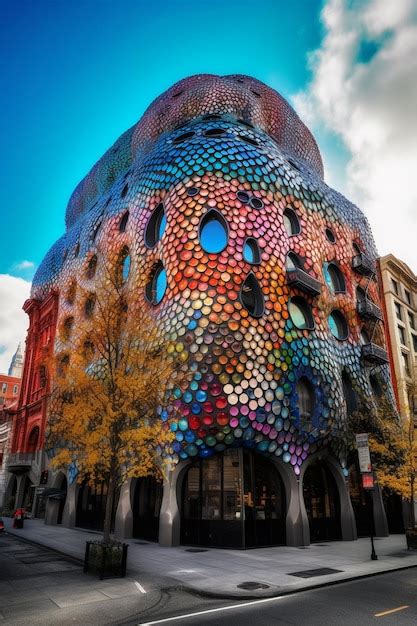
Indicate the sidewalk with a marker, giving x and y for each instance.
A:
(218, 572)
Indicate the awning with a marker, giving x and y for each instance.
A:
(54, 494)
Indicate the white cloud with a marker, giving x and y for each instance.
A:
(370, 103)
(13, 321)
(24, 265)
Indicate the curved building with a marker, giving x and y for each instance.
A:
(265, 280)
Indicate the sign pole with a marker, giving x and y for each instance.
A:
(365, 467)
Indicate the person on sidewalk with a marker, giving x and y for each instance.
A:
(18, 517)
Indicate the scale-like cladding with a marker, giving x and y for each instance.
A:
(200, 204)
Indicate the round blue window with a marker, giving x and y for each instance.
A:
(251, 252)
(160, 285)
(126, 268)
(213, 232)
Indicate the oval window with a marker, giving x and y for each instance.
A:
(156, 226)
(251, 251)
(334, 278)
(156, 287)
(300, 314)
(349, 394)
(67, 327)
(213, 232)
(291, 222)
(305, 399)
(292, 262)
(123, 222)
(252, 297)
(123, 266)
(215, 132)
(183, 137)
(338, 325)
(89, 305)
(330, 235)
(92, 266)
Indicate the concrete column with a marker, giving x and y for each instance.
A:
(380, 518)
(296, 521)
(51, 512)
(123, 526)
(70, 508)
(170, 519)
(20, 490)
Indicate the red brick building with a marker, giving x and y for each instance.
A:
(27, 460)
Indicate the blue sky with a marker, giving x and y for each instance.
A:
(75, 74)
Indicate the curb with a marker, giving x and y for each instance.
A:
(77, 559)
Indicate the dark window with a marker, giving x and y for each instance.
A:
(64, 256)
(183, 137)
(349, 394)
(243, 197)
(92, 266)
(213, 232)
(192, 191)
(249, 140)
(398, 310)
(77, 249)
(414, 338)
(157, 285)
(305, 400)
(215, 132)
(67, 327)
(72, 290)
(90, 303)
(291, 222)
(334, 278)
(338, 325)
(251, 251)
(360, 294)
(408, 296)
(406, 363)
(412, 321)
(300, 313)
(256, 203)
(403, 338)
(375, 385)
(356, 249)
(395, 286)
(124, 190)
(155, 226)
(252, 297)
(330, 235)
(123, 222)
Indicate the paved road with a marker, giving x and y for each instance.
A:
(384, 600)
(38, 586)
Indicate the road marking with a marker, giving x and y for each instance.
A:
(139, 586)
(399, 608)
(208, 611)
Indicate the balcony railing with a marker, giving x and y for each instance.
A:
(362, 264)
(372, 353)
(20, 462)
(303, 281)
(368, 310)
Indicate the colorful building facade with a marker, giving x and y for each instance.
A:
(264, 280)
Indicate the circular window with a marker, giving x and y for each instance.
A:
(330, 235)
(305, 399)
(92, 266)
(291, 222)
(300, 313)
(334, 278)
(156, 226)
(156, 287)
(251, 251)
(123, 222)
(252, 297)
(192, 191)
(213, 232)
(338, 325)
(256, 203)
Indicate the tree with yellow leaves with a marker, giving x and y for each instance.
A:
(392, 445)
(108, 383)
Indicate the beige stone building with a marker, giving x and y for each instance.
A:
(399, 285)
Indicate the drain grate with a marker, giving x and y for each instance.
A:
(196, 550)
(251, 586)
(311, 573)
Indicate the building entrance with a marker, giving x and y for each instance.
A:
(234, 499)
(361, 503)
(147, 502)
(321, 499)
(91, 505)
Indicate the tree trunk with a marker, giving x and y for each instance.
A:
(109, 509)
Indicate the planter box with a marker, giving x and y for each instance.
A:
(106, 559)
(411, 536)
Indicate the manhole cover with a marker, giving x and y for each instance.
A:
(311, 573)
(196, 550)
(253, 585)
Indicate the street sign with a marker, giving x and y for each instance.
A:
(363, 453)
(368, 481)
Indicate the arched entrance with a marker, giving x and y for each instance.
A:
(234, 499)
(147, 500)
(394, 511)
(322, 503)
(91, 505)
